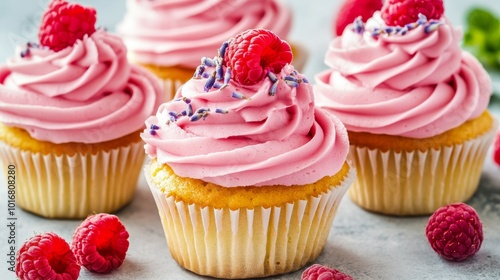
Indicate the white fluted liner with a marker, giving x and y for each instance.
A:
(416, 182)
(170, 87)
(246, 243)
(74, 186)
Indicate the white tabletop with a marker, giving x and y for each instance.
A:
(362, 244)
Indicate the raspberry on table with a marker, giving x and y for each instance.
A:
(100, 243)
(351, 9)
(320, 272)
(455, 231)
(496, 149)
(46, 256)
(402, 12)
(64, 23)
(255, 52)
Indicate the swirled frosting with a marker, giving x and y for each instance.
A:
(86, 93)
(179, 32)
(248, 138)
(415, 85)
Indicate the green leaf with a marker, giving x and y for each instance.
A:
(483, 19)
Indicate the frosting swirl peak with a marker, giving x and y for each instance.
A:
(416, 85)
(244, 136)
(86, 93)
(179, 32)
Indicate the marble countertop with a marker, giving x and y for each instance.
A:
(362, 244)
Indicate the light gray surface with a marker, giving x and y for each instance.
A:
(362, 244)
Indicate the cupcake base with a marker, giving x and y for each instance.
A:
(64, 184)
(419, 181)
(248, 242)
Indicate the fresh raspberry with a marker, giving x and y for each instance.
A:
(402, 12)
(253, 53)
(455, 231)
(64, 23)
(319, 272)
(46, 256)
(351, 9)
(496, 149)
(100, 243)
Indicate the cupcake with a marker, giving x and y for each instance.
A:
(247, 174)
(414, 105)
(170, 37)
(71, 113)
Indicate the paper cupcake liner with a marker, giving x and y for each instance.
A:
(170, 87)
(417, 182)
(246, 243)
(63, 186)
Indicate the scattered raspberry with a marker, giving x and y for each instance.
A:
(319, 272)
(351, 9)
(64, 23)
(46, 256)
(496, 149)
(100, 243)
(254, 52)
(455, 231)
(402, 12)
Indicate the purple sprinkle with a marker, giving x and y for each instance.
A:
(186, 100)
(154, 127)
(173, 119)
(183, 113)
(305, 80)
(205, 61)
(274, 88)
(291, 83)
(272, 76)
(422, 19)
(222, 50)
(403, 30)
(221, 111)
(210, 82)
(199, 71)
(389, 30)
(195, 118)
(217, 85)
(189, 110)
(376, 32)
(290, 78)
(238, 95)
(202, 110)
(359, 26)
(205, 75)
(152, 132)
(25, 53)
(219, 70)
(172, 113)
(227, 76)
(431, 27)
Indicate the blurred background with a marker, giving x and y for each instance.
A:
(312, 25)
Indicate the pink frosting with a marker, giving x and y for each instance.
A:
(415, 85)
(261, 140)
(180, 32)
(87, 93)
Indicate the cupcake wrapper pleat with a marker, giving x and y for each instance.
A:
(417, 182)
(245, 243)
(170, 87)
(63, 186)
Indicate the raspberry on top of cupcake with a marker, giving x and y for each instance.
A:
(76, 85)
(247, 118)
(403, 73)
